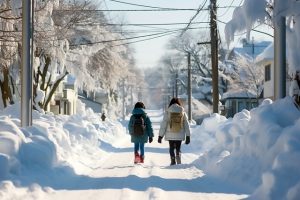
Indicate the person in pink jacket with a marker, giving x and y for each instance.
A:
(175, 128)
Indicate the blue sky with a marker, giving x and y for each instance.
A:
(149, 52)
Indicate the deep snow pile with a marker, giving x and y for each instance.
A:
(52, 140)
(258, 150)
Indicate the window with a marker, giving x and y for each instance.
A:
(254, 104)
(267, 72)
(248, 105)
(241, 106)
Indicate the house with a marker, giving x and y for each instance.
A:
(266, 60)
(201, 108)
(236, 101)
(94, 100)
(65, 97)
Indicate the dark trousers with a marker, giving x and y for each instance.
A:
(174, 145)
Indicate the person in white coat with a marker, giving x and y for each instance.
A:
(175, 128)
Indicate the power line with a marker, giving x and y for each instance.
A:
(138, 10)
(227, 9)
(162, 35)
(150, 24)
(253, 29)
(155, 26)
(128, 10)
(240, 3)
(137, 41)
(153, 31)
(145, 6)
(135, 37)
(121, 39)
(230, 6)
(198, 10)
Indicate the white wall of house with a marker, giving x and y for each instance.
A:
(267, 58)
(71, 97)
(269, 85)
(64, 99)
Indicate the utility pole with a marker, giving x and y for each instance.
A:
(279, 58)
(26, 70)
(176, 84)
(123, 105)
(189, 88)
(214, 54)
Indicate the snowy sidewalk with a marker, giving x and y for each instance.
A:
(118, 178)
(89, 170)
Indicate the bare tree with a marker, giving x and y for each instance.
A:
(187, 43)
(251, 76)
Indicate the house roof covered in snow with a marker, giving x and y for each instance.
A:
(239, 94)
(198, 95)
(251, 50)
(70, 79)
(267, 54)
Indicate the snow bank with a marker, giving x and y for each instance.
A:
(203, 137)
(52, 140)
(258, 150)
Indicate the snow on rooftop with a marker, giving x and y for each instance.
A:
(267, 54)
(69, 80)
(239, 94)
(252, 50)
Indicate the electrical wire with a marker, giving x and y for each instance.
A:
(139, 10)
(198, 10)
(240, 3)
(150, 24)
(154, 31)
(154, 36)
(121, 39)
(226, 11)
(151, 38)
(145, 39)
(145, 6)
(252, 29)
(128, 10)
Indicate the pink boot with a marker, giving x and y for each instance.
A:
(142, 159)
(136, 157)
